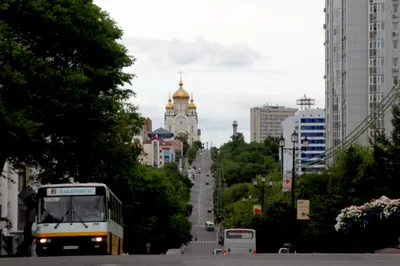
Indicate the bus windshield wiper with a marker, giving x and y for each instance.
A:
(62, 219)
(80, 219)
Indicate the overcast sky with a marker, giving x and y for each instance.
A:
(234, 55)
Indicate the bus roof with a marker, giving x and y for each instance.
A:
(80, 185)
(74, 185)
(243, 229)
(209, 222)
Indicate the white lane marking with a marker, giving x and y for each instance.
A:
(201, 183)
(202, 242)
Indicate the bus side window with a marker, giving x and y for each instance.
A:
(112, 208)
(122, 214)
(117, 211)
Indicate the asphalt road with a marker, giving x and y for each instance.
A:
(202, 199)
(210, 260)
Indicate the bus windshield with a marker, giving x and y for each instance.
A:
(72, 209)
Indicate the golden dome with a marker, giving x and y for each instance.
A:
(169, 106)
(181, 94)
(192, 105)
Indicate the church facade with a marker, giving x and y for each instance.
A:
(181, 115)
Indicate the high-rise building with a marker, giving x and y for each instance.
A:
(361, 66)
(311, 124)
(266, 121)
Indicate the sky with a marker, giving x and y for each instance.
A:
(233, 55)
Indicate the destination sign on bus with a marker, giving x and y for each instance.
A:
(238, 234)
(71, 191)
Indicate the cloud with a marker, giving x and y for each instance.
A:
(197, 52)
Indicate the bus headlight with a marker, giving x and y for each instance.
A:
(98, 239)
(44, 240)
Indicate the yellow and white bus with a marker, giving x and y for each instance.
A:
(78, 219)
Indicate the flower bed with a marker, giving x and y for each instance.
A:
(357, 214)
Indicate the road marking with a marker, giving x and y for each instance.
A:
(198, 225)
(199, 205)
(203, 242)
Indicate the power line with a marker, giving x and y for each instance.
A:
(383, 106)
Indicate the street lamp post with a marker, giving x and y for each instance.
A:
(293, 150)
(255, 183)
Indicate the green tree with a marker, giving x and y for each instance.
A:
(192, 154)
(241, 161)
(185, 144)
(214, 153)
(387, 158)
(342, 184)
(156, 212)
(61, 97)
(198, 145)
(60, 93)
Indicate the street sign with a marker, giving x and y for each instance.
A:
(287, 182)
(303, 209)
(257, 209)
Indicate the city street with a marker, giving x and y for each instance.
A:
(202, 199)
(200, 260)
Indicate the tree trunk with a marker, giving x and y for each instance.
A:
(23, 248)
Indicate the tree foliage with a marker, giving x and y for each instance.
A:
(185, 144)
(61, 77)
(157, 210)
(242, 162)
(63, 110)
(193, 151)
(358, 174)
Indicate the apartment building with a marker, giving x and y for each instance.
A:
(361, 65)
(266, 121)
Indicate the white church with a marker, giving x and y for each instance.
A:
(181, 115)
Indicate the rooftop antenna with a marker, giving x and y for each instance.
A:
(305, 103)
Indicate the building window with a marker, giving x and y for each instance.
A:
(377, 26)
(169, 128)
(379, 61)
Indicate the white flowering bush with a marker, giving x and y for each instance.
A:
(356, 214)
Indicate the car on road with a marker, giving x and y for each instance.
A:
(217, 251)
(174, 251)
(207, 182)
(199, 170)
(207, 174)
(209, 210)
